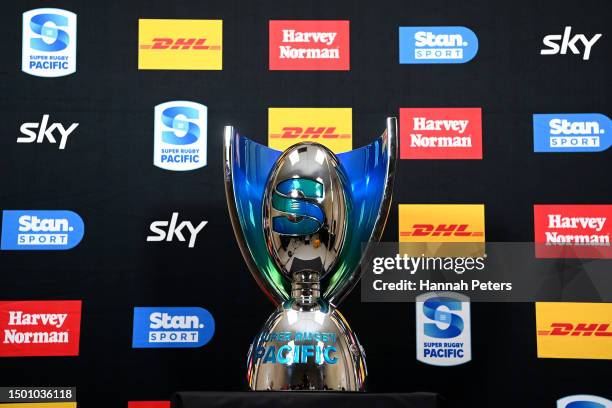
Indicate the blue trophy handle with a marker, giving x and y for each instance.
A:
(370, 171)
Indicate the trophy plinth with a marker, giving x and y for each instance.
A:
(302, 218)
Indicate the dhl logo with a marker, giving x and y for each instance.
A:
(310, 133)
(331, 127)
(452, 230)
(574, 330)
(179, 43)
(441, 230)
(580, 329)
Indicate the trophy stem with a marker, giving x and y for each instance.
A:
(305, 288)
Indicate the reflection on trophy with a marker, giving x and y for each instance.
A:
(303, 218)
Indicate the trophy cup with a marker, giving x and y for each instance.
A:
(302, 218)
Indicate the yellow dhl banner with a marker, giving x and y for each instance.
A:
(180, 44)
(40, 405)
(574, 330)
(331, 127)
(449, 230)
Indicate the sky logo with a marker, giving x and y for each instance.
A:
(172, 327)
(180, 136)
(437, 45)
(49, 42)
(571, 132)
(443, 329)
(584, 401)
(41, 230)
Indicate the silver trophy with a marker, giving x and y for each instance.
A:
(303, 218)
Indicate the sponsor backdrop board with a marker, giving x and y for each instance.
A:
(111, 149)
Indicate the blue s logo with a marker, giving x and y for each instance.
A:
(176, 118)
(431, 309)
(297, 199)
(57, 39)
(437, 45)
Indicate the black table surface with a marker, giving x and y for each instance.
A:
(297, 399)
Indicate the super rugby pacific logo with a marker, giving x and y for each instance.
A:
(443, 329)
(297, 199)
(49, 42)
(180, 136)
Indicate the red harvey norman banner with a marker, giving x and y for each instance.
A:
(148, 404)
(572, 231)
(309, 45)
(40, 328)
(441, 133)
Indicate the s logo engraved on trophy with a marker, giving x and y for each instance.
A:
(301, 218)
(296, 198)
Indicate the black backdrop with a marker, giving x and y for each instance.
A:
(106, 175)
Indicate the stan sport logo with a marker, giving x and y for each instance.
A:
(180, 44)
(574, 330)
(437, 45)
(440, 133)
(41, 230)
(40, 328)
(309, 45)
(571, 132)
(447, 230)
(572, 231)
(331, 127)
(172, 327)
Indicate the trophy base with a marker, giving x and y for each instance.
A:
(306, 349)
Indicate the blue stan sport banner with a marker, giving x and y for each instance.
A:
(41, 230)
(571, 132)
(437, 45)
(172, 327)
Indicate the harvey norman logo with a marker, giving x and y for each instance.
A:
(309, 45)
(40, 230)
(331, 127)
(39, 328)
(168, 327)
(572, 231)
(441, 133)
(571, 132)
(574, 330)
(49, 42)
(437, 45)
(180, 44)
